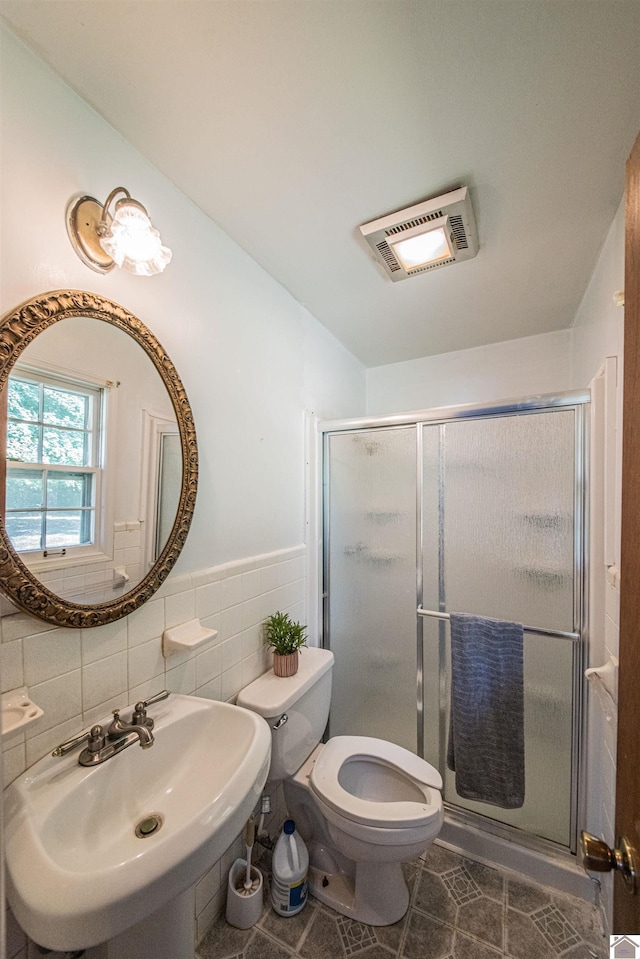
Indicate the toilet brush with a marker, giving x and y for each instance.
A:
(248, 886)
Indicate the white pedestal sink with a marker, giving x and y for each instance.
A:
(77, 873)
(165, 934)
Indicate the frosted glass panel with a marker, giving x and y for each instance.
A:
(499, 502)
(508, 487)
(370, 502)
(548, 670)
(434, 632)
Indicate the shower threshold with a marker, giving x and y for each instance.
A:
(472, 835)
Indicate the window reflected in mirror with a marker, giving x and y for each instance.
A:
(89, 503)
(54, 464)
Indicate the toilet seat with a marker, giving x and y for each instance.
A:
(379, 813)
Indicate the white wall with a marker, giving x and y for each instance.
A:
(252, 361)
(598, 326)
(251, 358)
(547, 363)
(502, 371)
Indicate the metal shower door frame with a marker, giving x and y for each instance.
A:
(575, 402)
(578, 401)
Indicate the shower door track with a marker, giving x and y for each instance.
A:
(442, 415)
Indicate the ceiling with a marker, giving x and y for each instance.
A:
(291, 122)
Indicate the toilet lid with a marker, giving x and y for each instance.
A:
(325, 782)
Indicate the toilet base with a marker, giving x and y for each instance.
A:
(377, 897)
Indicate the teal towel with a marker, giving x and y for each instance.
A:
(486, 733)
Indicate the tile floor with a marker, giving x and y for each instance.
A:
(459, 909)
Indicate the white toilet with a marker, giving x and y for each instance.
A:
(356, 801)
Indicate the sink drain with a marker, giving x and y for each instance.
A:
(149, 825)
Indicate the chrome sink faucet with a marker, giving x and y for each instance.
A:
(118, 728)
(103, 745)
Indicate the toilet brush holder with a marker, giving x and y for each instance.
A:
(244, 906)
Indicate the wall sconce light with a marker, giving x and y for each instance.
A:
(123, 238)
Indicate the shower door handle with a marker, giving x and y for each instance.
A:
(598, 857)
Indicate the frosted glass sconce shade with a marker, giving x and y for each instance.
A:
(132, 242)
(125, 238)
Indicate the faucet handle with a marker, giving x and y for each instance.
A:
(156, 698)
(94, 736)
(140, 711)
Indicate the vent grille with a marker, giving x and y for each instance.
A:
(387, 253)
(409, 224)
(458, 231)
(431, 266)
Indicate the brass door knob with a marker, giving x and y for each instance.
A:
(597, 856)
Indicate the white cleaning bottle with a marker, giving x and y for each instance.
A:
(290, 866)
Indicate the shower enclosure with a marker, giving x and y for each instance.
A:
(466, 510)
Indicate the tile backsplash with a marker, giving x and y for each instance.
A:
(77, 676)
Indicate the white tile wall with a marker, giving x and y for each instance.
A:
(78, 676)
(99, 582)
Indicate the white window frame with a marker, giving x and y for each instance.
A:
(101, 550)
(155, 425)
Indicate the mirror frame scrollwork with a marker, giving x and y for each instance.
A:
(18, 329)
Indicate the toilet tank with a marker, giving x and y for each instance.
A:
(304, 699)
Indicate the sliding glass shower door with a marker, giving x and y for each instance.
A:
(370, 582)
(481, 514)
(498, 531)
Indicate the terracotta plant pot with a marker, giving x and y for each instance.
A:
(285, 665)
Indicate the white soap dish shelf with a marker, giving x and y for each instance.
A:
(18, 710)
(186, 638)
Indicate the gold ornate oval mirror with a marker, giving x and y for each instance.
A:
(100, 464)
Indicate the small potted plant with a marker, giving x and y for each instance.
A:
(285, 639)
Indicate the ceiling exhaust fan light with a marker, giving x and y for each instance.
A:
(422, 249)
(424, 237)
